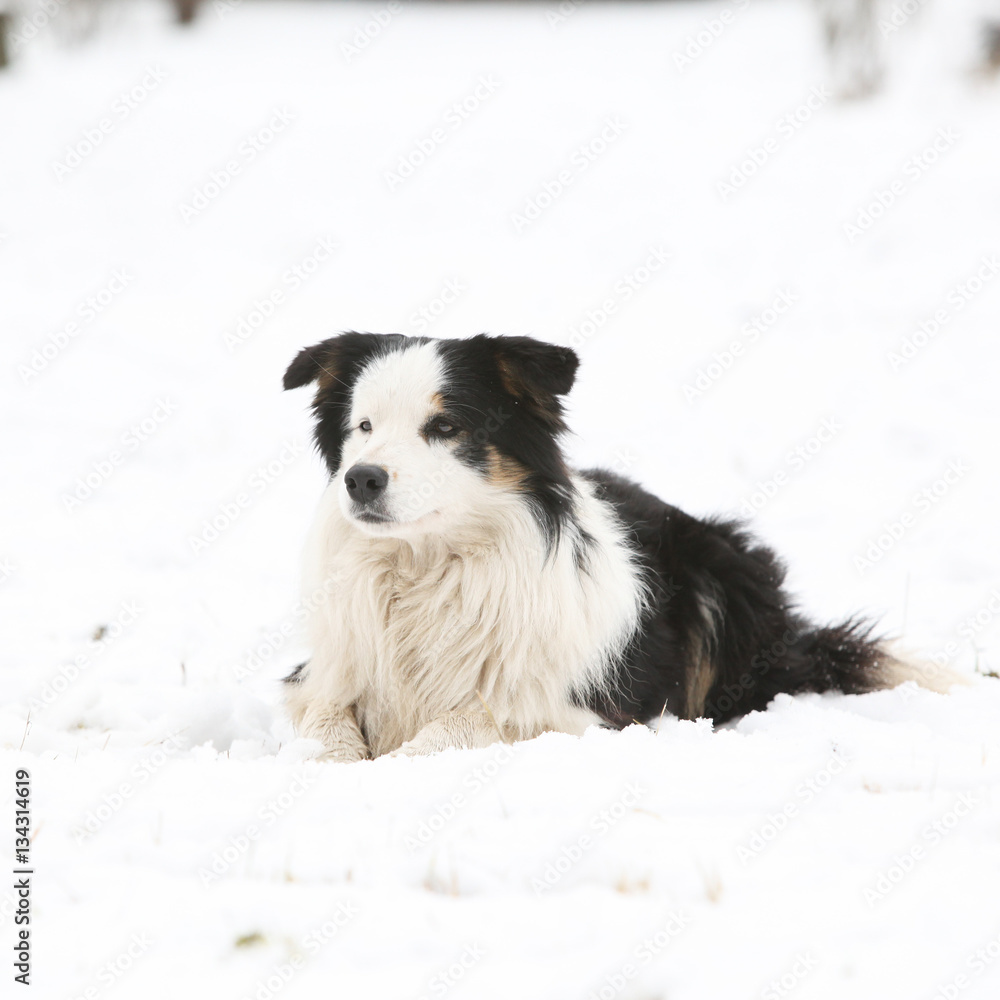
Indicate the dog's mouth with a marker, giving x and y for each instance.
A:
(374, 521)
(370, 517)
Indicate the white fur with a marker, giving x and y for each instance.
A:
(417, 629)
(455, 627)
(395, 392)
(900, 665)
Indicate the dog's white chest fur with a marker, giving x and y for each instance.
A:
(407, 633)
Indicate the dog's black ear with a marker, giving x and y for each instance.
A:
(335, 364)
(308, 363)
(530, 367)
(337, 360)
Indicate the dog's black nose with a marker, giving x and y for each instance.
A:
(366, 483)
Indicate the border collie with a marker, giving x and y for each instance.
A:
(470, 587)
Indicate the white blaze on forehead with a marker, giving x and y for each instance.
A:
(399, 387)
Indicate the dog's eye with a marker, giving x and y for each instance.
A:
(366, 426)
(442, 428)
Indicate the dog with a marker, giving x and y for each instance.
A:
(469, 587)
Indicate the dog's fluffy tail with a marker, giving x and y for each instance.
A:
(848, 658)
(898, 665)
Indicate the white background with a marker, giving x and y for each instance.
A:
(167, 738)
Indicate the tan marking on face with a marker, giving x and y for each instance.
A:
(505, 471)
(437, 409)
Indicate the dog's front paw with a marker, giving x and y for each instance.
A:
(344, 753)
(418, 747)
(456, 731)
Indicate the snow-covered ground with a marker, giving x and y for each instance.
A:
(182, 210)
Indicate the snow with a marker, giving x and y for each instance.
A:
(831, 846)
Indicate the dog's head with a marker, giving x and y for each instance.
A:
(424, 435)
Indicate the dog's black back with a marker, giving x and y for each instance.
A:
(721, 636)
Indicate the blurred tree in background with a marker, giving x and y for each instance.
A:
(854, 31)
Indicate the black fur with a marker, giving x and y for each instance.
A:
(756, 642)
(336, 364)
(295, 677)
(504, 391)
